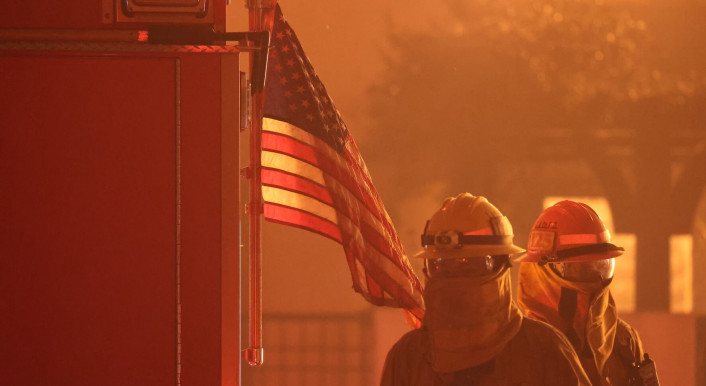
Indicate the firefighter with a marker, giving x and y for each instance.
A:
(473, 333)
(564, 280)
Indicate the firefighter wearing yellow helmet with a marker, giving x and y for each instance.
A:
(473, 333)
(567, 286)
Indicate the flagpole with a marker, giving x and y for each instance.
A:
(260, 19)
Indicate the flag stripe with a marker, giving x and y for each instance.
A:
(285, 192)
(380, 270)
(316, 212)
(295, 200)
(295, 141)
(278, 125)
(390, 274)
(304, 153)
(292, 165)
(294, 217)
(323, 156)
(374, 288)
(363, 175)
(343, 208)
(382, 275)
(284, 161)
(281, 179)
(357, 272)
(352, 156)
(379, 242)
(297, 167)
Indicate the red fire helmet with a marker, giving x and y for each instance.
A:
(569, 231)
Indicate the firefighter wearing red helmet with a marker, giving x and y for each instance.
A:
(473, 333)
(567, 286)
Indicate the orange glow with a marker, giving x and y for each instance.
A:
(681, 274)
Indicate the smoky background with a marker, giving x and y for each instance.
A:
(524, 102)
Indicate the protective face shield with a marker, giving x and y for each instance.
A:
(585, 271)
(465, 267)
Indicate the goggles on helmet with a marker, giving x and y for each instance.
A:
(585, 271)
(466, 266)
(446, 240)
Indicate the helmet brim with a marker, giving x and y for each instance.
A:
(536, 256)
(468, 251)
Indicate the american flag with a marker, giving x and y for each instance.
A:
(314, 177)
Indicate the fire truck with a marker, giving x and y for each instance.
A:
(119, 191)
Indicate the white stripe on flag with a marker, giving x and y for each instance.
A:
(292, 165)
(299, 201)
(297, 167)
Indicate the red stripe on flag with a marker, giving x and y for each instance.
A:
(357, 246)
(284, 180)
(394, 288)
(295, 217)
(286, 145)
(379, 243)
(359, 166)
(370, 257)
(296, 183)
(361, 174)
(348, 156)
(374, 288)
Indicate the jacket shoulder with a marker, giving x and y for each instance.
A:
(627, 342)
(404, 357)
(544, 338)
(552, 353)
(626, 330)
(414, 338)
(540, 330)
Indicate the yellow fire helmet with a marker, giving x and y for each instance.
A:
(467, 226)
